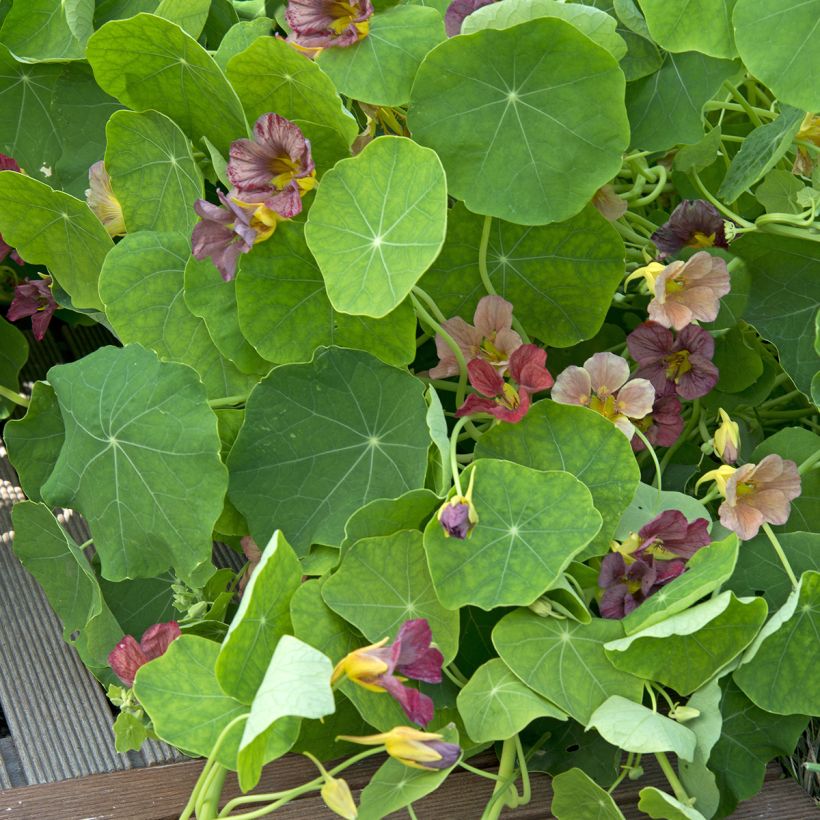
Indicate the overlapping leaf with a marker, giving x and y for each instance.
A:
(692, 25)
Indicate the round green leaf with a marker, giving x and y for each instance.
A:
(531, 524)
(575, 794)
(738, 360)
(380, 216)
(658, 804)
(239, 37)
(189, 15)
(495, 705)
(562, 437)
(773, 673)
(525, 134)
(147, 62)
(285, 314)
(692, 25)
(322, 439)
(380, 68)
(777, 42)
(564, 661)
(648, 503)
(270, 75)
(54, 229)
(142, 285)
(149, 482)
(384, 582)
(687, 649)
(153, 172)
(48, 30)
(596, 24)
(560, 278)
(384, 516)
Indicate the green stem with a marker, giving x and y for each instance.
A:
(716, 105)
(780, 554)
(787, 230)
(661, 691)
(641, 220)
(430, 302)
(208, 807)
(809, 463)
(479, 772)
(625, 769)
(632, 236)
(482, 255)
(651, 450)
(453, 459)
(677, 786)
(411, 812)
(751, 113)
(766, 405)
(717, 203)
(788, 414)
(526, 790)
(506, 771)
(11, 395)
(441, 384)
(652, 697)
(227, 401)
(656, 191)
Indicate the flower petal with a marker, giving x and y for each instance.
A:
(607, 372)
(572, 386)
(492, 315)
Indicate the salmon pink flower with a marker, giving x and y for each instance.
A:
(663, 426)
(128, 655)
(686, 291)
(758, 493)
(527, 368)
(601, 385)
(693, 224)
(609, 204)
(458, 11)
(420, 750)
(9, 164)
(328, 23)
(102, 200)
(410, 656)
(33, 298)
(491, 338)
(679, 364)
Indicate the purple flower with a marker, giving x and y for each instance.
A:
(681, 364)
(455, 519)
(458, 11)
(7, 163)
(410, 656)
(128, 655)
(663, 426)
(670, 535)
(693, 224)
(627, 582)
(328, 23)
(420, 750)
(33, 298)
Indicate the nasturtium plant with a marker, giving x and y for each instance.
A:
(485, 334)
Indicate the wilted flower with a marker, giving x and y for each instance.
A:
(693, 224)
(609, 204)
(9, 164)
(458, 11)
(809, 132)
(102, 201)
(758, 493)
(421, 750)
(328, 23)
(457, 515)
(601, 384)
(663, 426)
(727, 438)
(128, 655)
(527, 368)
(679, 364)
(33, 298)
(410, 656)
(254, 556)
(491, 339)
(627, 582)
(685, 291)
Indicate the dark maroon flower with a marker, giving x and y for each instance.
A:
(681, 364)
(663, 426)
(458, 11)
(7, 163)
(693, 224)
(128, 655)
(33, 298)
(627, 582)
(527, 368)
(328, 23)
(670, 534)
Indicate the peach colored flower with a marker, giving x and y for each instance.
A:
(609, 204)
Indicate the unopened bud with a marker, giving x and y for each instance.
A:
(338, 798)
(684, 713)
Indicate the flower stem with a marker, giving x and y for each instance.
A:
(453, 455)
(11, 395)
(430, 302)
(482, 256)
(526, 791)
(625, 769)
(780, 554)
(744, 104)
(651, 450)
(718, 204)
(656, 191)
(479, 772)
(411, 812)
(506, 771)
(677, 786)
(809, 463)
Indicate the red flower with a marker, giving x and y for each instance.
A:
(663, 426)
(128, 655)
(33, 298)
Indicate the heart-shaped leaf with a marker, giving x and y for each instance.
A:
(575, 794)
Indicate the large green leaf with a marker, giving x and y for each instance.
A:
(525, 134)
(13, 355)
(692, 25)
(495, 704)
(384, 516)
(147, 62)
(148, 481)
(142, 285)
(658, 804)
(54, 229)
(531, 524)
(596, 24)
(262, 618)
(760, 152)
(189, 15)
(322, 439)
(239, 37)
(564, 661)
(562, 437)
(749, 739)
(634, 728)
(285, 314)
(772, 673)
(34, 441)
(575, 794)
(687, 649)
(380, 68)
(153, 172)
(270, 75)
(777, 42)
(560, 278)
(48, 30)
(708, 568)
(380, 216)
(665, 107)
(783, 297)
(384, 582)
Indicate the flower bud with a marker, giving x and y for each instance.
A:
(338, 798)
(684, 713)
(727, 438)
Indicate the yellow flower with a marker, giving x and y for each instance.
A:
(412, 747)
(649, 273)
(363, 666)
(337, 797)
(727, 438)
(720, 476)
